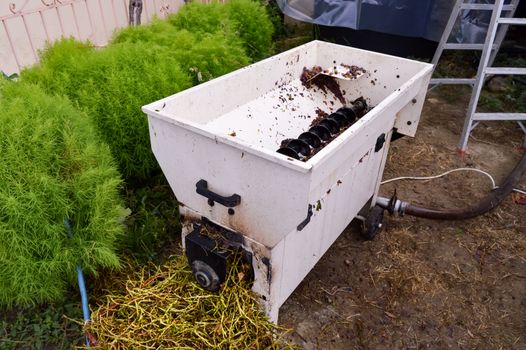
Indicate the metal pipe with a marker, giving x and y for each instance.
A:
(492, 200)
(135, 9)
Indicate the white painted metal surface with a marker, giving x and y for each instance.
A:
(227, 131)
(26, 25)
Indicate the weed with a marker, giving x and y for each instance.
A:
(489, 102)
(153, 226)
(41, 327)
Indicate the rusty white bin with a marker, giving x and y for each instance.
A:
(289, 212)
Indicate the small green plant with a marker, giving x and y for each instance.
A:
(490, 103)
(159, 32)
(276, 17)
(153, 226)
(41, 327)
(53, 168)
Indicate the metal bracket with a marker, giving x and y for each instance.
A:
(379, 143)
(304, 223)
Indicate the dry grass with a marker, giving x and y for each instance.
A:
(451, 287)
(406, 274)
(163, 308)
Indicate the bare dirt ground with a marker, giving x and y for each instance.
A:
(424, 284)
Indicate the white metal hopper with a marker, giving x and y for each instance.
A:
(226, 132)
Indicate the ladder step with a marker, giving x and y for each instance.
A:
(499, 116)
(454, 81)
(490, 7)
(459, 46)
(505, 71)
(515, 21)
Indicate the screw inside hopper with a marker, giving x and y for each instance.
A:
(312, 139)
(321, 131)
(359, 104)
(331, 124)
(299, 146)
(357, 110)
(325, 129)
(288, 152)
(340, 118)
(349, 114)
(359, 107)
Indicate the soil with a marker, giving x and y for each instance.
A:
(321, 114)
(353, 71)
(423, 284)
(312, 76)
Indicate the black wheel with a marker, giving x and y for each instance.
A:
(205, 275)
(373, 223)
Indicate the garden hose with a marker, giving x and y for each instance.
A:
(492, 200)
(82, 284)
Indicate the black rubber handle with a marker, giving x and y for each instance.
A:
(201, 187)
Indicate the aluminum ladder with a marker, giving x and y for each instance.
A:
(497, 30)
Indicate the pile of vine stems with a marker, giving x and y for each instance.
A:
(164, 308)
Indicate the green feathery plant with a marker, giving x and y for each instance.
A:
(53, 167)
(244, 20)
(146, 63)
(204, 56)
(253, 25)
(111, 85)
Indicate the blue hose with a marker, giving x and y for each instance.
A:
(83, 294)
(82, 284)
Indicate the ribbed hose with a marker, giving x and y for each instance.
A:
(489, 202)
